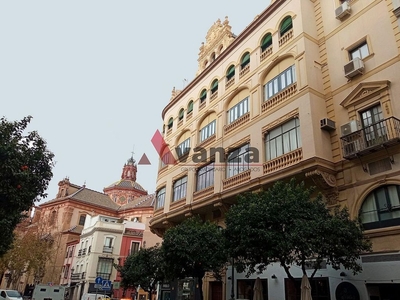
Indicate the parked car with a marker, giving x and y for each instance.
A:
(49, 292)
(89, 296)
(10, 295)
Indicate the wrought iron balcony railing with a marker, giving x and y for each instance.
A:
(380, 135)
(105, 276)
(107, 249)
(76, 276)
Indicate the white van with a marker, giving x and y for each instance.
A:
(49, 292)
(98, 296)
(10, 295)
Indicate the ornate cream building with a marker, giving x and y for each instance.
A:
(309, 89)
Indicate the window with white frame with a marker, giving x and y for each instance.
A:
(238, 161)
(134, 247)
(108, 244)
(205, 177)
(361, 51)
(180, 187)
(183, 148)
(283, 139)
(238, 110)
(207, 131)
(160, 198)
(104, 267)
(280, 82)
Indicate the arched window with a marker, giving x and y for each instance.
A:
(214, 86)
(170, 123)
(286, 25)
(381, 208)
(231, 72)
(190, 107)
(203, 95)
(266, 42)
(245, 60)
(181, 114)
(212, 57)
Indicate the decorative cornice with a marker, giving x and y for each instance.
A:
(239, 39)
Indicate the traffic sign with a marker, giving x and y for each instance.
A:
(106, 285)
(98, 282)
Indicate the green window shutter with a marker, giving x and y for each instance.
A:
(246, 59)
(286, 25)
(190, 107)
(170, 123)
(231, 72)
(181, 113)
(203, 95)
(266, 41)
(214, 86)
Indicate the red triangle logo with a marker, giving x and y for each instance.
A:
(144, 160)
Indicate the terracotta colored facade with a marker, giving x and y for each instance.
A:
(310, 89)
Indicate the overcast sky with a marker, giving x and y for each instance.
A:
(95, 75)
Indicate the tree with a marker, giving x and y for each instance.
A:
(25, 172)
(28, 255)
(285, 224)
(193, 248)
(143, 268)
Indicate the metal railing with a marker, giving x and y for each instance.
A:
(380, 135)
(107, 249)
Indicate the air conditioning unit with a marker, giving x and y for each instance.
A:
(352, 148)
(350, 127)
(327, 124)
(343, 10)
(354, 68)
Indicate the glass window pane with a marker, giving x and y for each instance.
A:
(283, 81)
(364, 51)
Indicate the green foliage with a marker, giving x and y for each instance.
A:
(193, 248)
(25, 171)
(143, 268)
(284, 224)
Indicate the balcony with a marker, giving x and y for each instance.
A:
(80, 252)
(76, 276)
(105, 276)
(84, 251)
(286, 37)
(380, 135)
(107, 249)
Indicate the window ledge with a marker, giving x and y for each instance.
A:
(203, 193)
(206, 142)
(229, 82)
(286, 37)
(178, 203)
(244, 71)
(283, 161)
(280, 97)
(243, 119)
(267, 52)
(236, 179)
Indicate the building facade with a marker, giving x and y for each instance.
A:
(84, 224)
(310, 89)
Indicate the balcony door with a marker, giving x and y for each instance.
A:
(374, 126)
